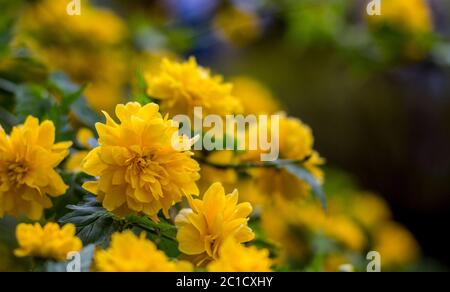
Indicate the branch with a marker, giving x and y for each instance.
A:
(246, 165)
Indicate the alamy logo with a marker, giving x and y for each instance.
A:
(375, 262)
(374, 7)
(74, 262)
(232, 132)
(74, 8)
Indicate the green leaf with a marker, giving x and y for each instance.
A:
(68, 90)
(86, 258)
(94, 224)
(32, 99)
(7, 120)
(141, 95)
(162, 233)
(84, 113)
(307, 177)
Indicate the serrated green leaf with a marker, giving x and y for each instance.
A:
(163, 234)
(307, 177)
(94, 224)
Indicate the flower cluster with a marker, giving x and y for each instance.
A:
(88, 113)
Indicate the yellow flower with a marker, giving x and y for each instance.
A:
(28, 158)
(234, 257)
(182, 86)
(296, 143)
(396, 245)
(130, 253)
(78, 45)
(345, 231)
(410, 15)
(50, 17)
(292, 224)
(75, 161)
(203, 228)
(255, 98)
(136, 165)
(50, 242)
(370, 210)
(84, 136)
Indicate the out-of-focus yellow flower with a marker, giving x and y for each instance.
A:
(345, 231)
(182, 86)
(209, 174)
(234, 257)
(230, 178)
(105, 94)
(130, 253)
(50, 17)
(296, 143)
(237, 26)
(293, 225)
(370, 210)
(82, 46)
(136, 165)
(28, 158)
(84, 136)
(49, 242)
(396, 245)
(203, 229)
(255, 98)
(410, 15)
(75, 161)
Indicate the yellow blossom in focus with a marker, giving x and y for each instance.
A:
(130, 253)
(238, 26)
(411, 15)
(182, 86)
(28, 158)
(203, 229)
(234, 257)
(48, 242)
(137, 167)
(255, 98)
(396, 245)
